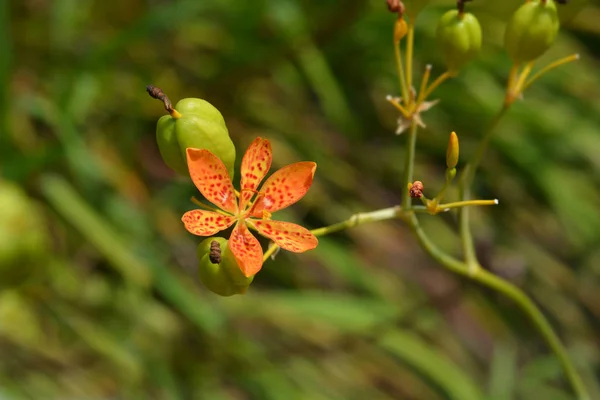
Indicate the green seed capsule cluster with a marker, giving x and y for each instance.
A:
(197, 124)
(218, 270)
(531, 30)
(459, 38)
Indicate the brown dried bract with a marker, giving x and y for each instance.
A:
(416, 189)
(157, 93)
(215, 252)
(395, 6)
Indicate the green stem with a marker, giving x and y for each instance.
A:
(354, 220)
(359, 219)
(472, 167)
(400, 67)
(410, 162)
(465, 192)
(409, 60)
(511, 291)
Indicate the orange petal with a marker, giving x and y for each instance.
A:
(206, 223)
(246, 249)
(255, 165)
(210, 176)
(285, 187)
(286, 235)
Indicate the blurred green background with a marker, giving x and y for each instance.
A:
(99, 297)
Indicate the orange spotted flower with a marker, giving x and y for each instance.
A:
(283, 188)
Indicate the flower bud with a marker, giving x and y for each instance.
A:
(400, 29)
(459, 37)
(198, 124)
(415, 189)
(452, 151)
(218, 270)
(531, 30)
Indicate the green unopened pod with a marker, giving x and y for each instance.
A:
(459, 38)
(531, 30)
(198, 125)
(218, 270)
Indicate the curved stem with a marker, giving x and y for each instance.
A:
(511, 291)
(541, 323)
(547, 68)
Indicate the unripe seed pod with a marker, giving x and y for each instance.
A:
(459, 37)
(218, 270)
(200, 126)
(531, 30)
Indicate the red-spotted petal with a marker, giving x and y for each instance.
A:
(255, 165)
(286, 235)
(210, 176)
(285, 187)
(246, 249)
(206, 223)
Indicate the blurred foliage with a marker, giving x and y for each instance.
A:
(99, 296)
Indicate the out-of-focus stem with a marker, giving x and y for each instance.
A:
(557, 63)
(409, 165)
(409, 59)
(511, 291)
(401, 77)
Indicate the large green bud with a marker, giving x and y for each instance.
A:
(198, 124)
(531, 30)
(218, 269)
(459, 38)
(23, 237)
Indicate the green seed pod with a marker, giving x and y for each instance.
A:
(531, 30)
(459, 37)
(200, 126)
(218, 269)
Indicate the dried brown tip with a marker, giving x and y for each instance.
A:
(158, 94)
(460, 5)
(395, 6)
(215, 252)
(416, 189)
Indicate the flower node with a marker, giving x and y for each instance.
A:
(416, 189)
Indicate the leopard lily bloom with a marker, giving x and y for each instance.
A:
(282, 189)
